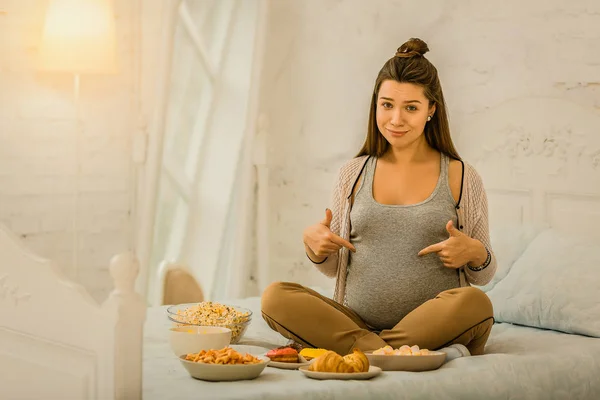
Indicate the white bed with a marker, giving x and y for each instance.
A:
(521, 363)
(58, 344)
(540, 161)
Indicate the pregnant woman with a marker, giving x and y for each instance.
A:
(406, 236)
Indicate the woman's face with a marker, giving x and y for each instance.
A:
(402, 111)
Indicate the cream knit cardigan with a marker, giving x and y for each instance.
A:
(472, 220)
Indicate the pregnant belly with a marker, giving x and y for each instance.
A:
(382, 300)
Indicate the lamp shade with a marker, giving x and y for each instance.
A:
(79, 37)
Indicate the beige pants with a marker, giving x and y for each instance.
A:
(462, 315)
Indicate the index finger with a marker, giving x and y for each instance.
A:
(342, 242)
(434, 248)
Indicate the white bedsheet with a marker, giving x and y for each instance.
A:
(521, 363)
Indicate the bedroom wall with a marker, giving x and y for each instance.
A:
(37, 149)
(322, 58)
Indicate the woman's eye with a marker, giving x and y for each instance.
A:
(411, 108)
(387, 105)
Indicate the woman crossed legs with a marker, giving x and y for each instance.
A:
(456, 316)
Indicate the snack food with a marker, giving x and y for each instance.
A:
(294, 345)
(210, 313)
(285, 354)
(309, 353)
(333, 362)
(226, 355)
(402, 351)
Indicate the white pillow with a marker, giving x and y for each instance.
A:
(554, 285)
(508, 243)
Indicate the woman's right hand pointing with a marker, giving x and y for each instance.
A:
(321, 242)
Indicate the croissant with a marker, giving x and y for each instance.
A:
(357, 360)
(333, 362)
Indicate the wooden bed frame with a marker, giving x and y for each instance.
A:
(56, 342)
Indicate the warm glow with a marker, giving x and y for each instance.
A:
(79, 37)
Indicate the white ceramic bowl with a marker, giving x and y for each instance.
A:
(429, 362)
(220, 372)
(193, 339)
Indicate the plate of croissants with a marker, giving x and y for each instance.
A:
(331, 365)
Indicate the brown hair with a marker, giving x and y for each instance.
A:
(410, 66)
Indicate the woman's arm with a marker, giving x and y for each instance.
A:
(483, 267)
(479, 254)
(329, 265)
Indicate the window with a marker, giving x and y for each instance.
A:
(209, 83)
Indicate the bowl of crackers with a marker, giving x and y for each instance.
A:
(226, 364)
(210, 313)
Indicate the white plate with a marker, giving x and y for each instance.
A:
(373, 371)
(432, 361)
(220, 372)
(287, 365)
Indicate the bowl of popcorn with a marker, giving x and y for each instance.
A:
(406, 358)
(210, 313)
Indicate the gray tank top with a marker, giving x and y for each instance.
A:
(386, 278)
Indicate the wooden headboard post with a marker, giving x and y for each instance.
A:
(130, 311)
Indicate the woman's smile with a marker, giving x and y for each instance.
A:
(396, 133)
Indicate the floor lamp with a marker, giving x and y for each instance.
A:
(78, 38)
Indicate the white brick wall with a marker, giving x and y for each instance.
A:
(322, 59)
(37, 149)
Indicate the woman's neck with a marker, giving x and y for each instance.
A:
(417, 152)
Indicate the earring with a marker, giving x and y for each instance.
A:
(429, 118)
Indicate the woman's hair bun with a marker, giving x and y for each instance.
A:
(411, 48)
